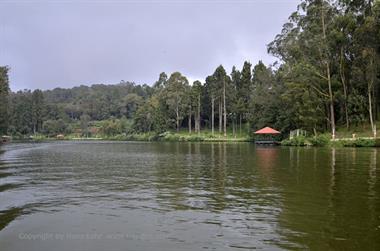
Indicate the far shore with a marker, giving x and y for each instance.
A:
(322, 140)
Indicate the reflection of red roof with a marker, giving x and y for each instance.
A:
(267, 130)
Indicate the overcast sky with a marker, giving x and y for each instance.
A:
(50, 44)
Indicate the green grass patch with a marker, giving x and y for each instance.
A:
(320, 140)
(197, 137)
(295, 141)
(324, 140)
(360, 142)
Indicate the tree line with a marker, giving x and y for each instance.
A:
(327, 76)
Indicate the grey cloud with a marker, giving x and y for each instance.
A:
(67, 43)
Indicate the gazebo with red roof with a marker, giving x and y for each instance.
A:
(267, 134)
(267, 130)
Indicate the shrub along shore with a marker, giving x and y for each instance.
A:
(322, 140)
(151, 136)
(325, 140)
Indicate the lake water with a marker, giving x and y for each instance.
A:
(187, 196)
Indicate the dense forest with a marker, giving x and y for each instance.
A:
(327, 77)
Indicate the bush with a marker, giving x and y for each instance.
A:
(377, 142)
(360, 143)
(168, 136)
(114, 127)
(211, 136)
(174, 137)
(54, 127)
(295, 141)
(118, 137)
(195, 138)
(320, 140)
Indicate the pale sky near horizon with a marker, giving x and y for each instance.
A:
(67, 43)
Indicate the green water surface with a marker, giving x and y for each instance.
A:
(187, 196)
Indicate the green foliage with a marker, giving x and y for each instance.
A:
(377, 142)
(37, 110)
(176, 97)
(21, 113)
(361, 142)
(152, 116)
(54, 127)
(328, 50)
(168, 136)
(173, 137)
(295, 141)
(141, 137)
(111, 127)
(84, 125)
(320, 140)
(4, 105)
(244, 87)
(115, 128)
(132, 102)
(324, 140)
(265, 105)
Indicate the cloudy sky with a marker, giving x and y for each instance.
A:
(50, 44)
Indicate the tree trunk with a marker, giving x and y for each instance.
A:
(331, 99)
(240, 124)
(189, 119)
(376, 103)
(343, 79)
(332, 114)
(212, 114)
(195, 121)
(220, 115)
(370, 110)
(233, 128)
(370, 86)
(177, 117)
(225, 109)
(199, 114)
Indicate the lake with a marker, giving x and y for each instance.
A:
(187, 196)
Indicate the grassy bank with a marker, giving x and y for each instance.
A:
(360, 131)
(344, 137)
(355, 136)
(181, 136)
(324, 140)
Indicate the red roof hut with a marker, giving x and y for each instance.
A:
(266, 136)
(267, 130)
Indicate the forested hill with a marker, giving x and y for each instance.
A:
(99, 101)
(328, 77)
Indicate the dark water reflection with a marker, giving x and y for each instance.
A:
(187, 196)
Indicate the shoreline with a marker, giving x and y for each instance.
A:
(337, 143)
(148, 137)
